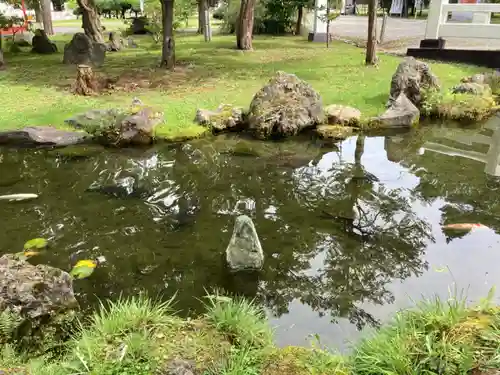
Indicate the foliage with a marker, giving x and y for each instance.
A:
(240, 320)
(83, 269)
(460, 107)
(36, 244)
(270, 16)
(440, 337)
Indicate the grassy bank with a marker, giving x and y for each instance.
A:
(35, 89)
(139, 337)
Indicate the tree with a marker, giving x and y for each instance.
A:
(371, 42)
(90, 20)
(244, 29)
(47, 17)
(168, 44)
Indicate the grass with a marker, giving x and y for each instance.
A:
(35, 89)
(138, 336)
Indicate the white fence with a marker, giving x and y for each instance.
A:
(480, 27)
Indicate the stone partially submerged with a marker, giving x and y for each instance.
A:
(412, 78)
(33, 136)
(81, 50)
(284, 107)
(120, 128)
(224, 118)
(337, 114)
(38, 298)
(402, 113)
(244, 251)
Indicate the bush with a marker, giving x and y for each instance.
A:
(459, 107)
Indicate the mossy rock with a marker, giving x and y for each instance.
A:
(462, 107)
(224, 118)
(334, 131)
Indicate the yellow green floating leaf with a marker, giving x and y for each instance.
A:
(83, 269)
(36, 243)
(29, 254)
(441, 269)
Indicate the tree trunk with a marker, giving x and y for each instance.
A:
(38, 13)
(2, 61)
(300, 14)
(47, 17)
(371, 42)
(85, 83)
(168, 45)
(244, 28)
(201, 17)
(90, 20)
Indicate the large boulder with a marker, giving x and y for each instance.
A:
(402, 113)
(412, 78)
(39, 299)
(244, 251)
(82, 50)
(42, 44)
(284, 107)
(120, 128)
(225, 117)
(33, 136)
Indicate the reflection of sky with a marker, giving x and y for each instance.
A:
(469, 263)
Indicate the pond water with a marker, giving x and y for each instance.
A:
(351, 232)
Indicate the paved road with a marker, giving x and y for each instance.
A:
(401, 33)
(408, 31)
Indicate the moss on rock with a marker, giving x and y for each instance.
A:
(464, 107)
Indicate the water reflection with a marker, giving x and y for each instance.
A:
(339, 226)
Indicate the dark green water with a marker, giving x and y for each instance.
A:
(351, 233)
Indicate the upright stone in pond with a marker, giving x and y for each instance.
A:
(411, 78)
(244, 251)
(42, 44)
(81, 50)
(284, 107)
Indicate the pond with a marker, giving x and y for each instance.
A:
(352, 232)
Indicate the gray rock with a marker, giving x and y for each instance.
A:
(342, 115)
(472, 88)
(225, 117)
(33, 136)
(81, 50)
(39, 302)
(115, 43)
(402, 113)
(120, 128)
(411, 78)
(244, 251)
(42, 44)
(131, 43)
(34, 291)
(178, 367)
(284, 107)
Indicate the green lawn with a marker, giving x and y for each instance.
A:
(35, 88)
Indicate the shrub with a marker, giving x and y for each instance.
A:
(459, 107)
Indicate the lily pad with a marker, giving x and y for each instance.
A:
(36, 243)
(83, 269)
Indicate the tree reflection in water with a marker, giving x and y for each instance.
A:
(168, 231)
